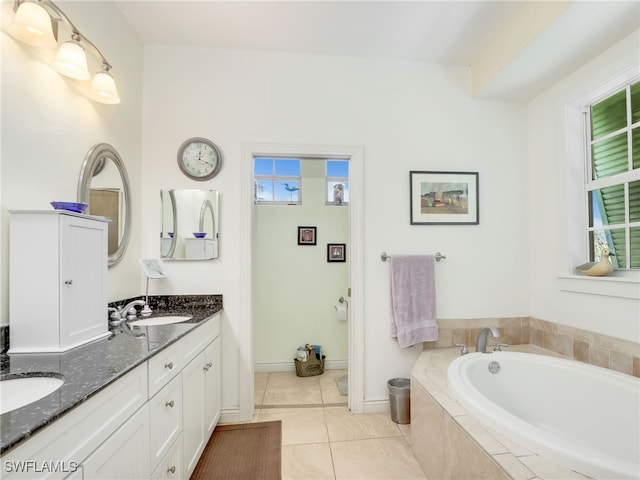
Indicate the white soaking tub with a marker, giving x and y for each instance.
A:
(584, 417)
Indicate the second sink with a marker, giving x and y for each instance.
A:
(18, 391)
(166, 320)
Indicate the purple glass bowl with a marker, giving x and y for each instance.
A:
(199, 234)
(70, 206)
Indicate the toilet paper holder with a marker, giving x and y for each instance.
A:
(343, 300)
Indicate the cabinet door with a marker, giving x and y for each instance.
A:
(83, 279)
(125, 454)
(165, 410)
(193, 424)
(212, 386)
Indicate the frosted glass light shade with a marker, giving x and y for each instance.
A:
(103, 89)
(72, 61)
(32, 25)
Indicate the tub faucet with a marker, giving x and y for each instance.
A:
(481, 342)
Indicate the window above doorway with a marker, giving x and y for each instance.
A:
(337, 182)
(277, 181)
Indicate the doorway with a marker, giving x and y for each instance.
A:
(355, 329)
(299, 274)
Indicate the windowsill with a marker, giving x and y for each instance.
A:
(619, 284)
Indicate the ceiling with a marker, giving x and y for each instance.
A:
(445, 32)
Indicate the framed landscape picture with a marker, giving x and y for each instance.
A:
(444, 198)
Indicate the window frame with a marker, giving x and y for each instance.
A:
(622, 179)
(621, 283)
(273, 178)
(328, 179)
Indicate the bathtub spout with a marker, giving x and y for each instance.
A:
(481, 342)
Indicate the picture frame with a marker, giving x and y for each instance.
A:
(336, 252)
(306, 235)
(444, 198)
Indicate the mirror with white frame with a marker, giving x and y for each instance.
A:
(189, 228)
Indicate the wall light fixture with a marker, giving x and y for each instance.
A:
(36, 23)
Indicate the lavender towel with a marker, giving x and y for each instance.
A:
(413, 299)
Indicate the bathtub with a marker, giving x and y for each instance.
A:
(584, 417)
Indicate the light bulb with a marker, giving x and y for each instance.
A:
(103, 89)
(72, 61)
(32, 25)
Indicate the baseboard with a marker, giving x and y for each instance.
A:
(231, 415)
(290, 367)
(376, 406)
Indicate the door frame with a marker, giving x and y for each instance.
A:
(355, 155)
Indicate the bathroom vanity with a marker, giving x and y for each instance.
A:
(139, 404)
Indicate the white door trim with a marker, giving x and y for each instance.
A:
(356, 270)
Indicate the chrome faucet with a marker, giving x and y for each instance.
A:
(119, 315)
(481, 342)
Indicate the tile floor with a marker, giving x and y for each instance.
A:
(322, 440)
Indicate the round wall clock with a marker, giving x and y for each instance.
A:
(199, 158)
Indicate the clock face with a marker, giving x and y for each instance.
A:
(199, 159)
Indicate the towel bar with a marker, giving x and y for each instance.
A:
(438, 256)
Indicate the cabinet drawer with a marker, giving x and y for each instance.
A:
(202, 336)
(164, 366)
(166, 419)
(170, 467)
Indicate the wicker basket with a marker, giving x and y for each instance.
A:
(313, 366)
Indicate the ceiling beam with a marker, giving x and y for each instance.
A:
(533, 18)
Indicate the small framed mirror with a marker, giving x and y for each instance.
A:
(190, 227)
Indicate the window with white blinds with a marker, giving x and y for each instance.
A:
(613, 182)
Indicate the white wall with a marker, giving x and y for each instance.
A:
(549, 174)
(49, 125)
(406, 115)
(295, 289)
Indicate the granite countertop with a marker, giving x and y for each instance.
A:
(89, 368)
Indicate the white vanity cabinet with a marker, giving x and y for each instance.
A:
(152, 423)
(187, 379)
(58, 280)
(201, 398)
(76, 437)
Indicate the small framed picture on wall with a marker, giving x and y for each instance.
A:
(306, 235)
(336, 252)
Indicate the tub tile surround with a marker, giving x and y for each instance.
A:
(570, 342)
(450, 443)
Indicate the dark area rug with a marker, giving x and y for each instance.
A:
(246, 451)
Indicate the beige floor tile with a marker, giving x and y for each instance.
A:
(299, 425)
(343, 425)
(259, 387)
(379, 458)
(307, 462)
(284, 388)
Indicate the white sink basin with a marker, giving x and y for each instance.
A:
(169, 319)
(21, 391)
